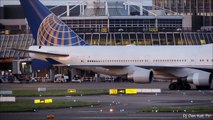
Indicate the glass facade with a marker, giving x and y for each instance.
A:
(87, 25)
(123, 25)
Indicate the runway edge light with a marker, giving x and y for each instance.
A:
(71, 90)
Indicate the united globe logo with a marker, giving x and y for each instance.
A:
(53, 32)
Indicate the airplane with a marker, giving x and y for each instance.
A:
(55, 41)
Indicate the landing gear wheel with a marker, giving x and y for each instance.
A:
(173, 86)
(179, 86)
(186, 86)
(203, 87)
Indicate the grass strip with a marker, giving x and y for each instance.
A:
(29, 106)
(28, 93)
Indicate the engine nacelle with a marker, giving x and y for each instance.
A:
(141, 76)
(200, 78)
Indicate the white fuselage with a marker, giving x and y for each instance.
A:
(145, 56)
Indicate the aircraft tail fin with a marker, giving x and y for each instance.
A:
(47, 28)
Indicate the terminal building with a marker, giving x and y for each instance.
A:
(200, 10)
(103, 22)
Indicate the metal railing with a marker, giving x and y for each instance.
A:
(22, 41)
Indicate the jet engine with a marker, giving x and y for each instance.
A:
(141, 76)
(200, 78)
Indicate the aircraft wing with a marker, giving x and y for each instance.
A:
(41, 52)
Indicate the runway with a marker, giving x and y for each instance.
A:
(123, 106)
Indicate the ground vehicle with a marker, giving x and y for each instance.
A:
(76, 78)
(60, 78)
(22, 70)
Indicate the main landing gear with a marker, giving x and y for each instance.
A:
(179, 85)
(203, 87)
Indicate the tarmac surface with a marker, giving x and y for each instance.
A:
(116, 106)
(84, 85)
